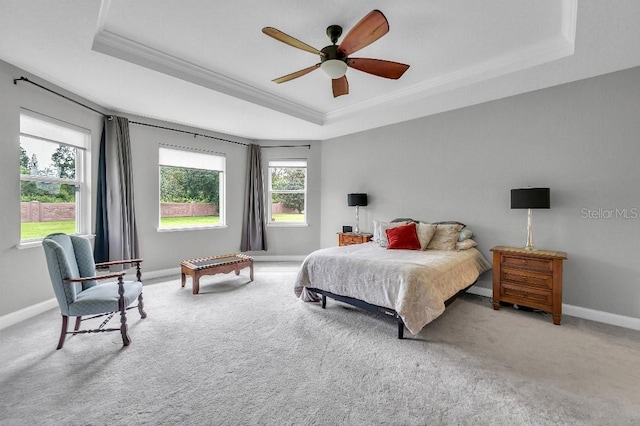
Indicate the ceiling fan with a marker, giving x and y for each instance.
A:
(334, 59)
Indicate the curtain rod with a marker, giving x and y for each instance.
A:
(187, 132)
(110, 117)
(216, 138)
(25, 79)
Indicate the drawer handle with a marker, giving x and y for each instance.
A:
(524, 278)
(524, 262)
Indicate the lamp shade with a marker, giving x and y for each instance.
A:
(530, 198)
(356, 199)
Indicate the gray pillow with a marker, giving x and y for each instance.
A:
(404, 219)
(465, 234)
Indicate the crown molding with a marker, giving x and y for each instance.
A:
(537, 54)
(128, 50)
(521, 60)
(123, 48)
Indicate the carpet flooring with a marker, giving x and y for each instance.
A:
(245, 353)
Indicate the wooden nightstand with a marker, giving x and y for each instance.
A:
(348, 238)
(530, 278)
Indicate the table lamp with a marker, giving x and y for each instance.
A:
(530, 198)
(357, 200)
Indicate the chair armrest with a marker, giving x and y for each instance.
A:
(99, 277)
(117, 262)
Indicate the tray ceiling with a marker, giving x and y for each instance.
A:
(207, 64)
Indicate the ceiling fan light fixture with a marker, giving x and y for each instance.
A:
(334, 68)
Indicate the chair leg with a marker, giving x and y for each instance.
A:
(143, 314)
(126, 340)
(78, 321)
(63, 333)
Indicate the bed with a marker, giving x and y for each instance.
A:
(413, 286)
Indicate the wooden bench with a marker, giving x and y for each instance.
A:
(214, 265)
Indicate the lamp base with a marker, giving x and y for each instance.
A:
(529, 245)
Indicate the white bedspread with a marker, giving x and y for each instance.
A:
(413, 283)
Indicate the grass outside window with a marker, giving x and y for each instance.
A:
(34, 230)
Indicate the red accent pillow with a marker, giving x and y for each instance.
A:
(403, 237)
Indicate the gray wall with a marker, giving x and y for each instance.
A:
(24, 277)
(166, 249)
(25, 281)
(207, 242)
(581, 139)
(298, 241)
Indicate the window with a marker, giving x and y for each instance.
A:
(191, 189)
(54, 193)
(287, 192)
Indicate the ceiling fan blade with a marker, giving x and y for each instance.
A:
(340, 86)
(369, 29)
(379, 67)
(287, 39)
(296, 74)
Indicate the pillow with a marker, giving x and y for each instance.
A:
(380, 230)
(403, 237)
(466, 244)
(445, 237)
(425, 233)
(450, 222)
(376, 231)
(465, 234)
(403, 219)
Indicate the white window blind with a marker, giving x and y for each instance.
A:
(191, 159)
(46, 128)
(288, 163)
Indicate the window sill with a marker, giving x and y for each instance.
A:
(190, 228)
(29, 245)
(25, 245)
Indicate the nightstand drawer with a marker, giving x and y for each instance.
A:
(525, 295)
(528, 279)
(541, 265)
(351, 239)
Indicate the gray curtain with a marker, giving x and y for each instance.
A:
(123, 234)
(101, 244)
(253, 226)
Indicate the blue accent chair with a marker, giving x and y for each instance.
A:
(75, 283)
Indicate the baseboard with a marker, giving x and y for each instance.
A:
(574, 311)
(26, 313)
(282, 258)
(600, 316)
(33, 310)
(579, 312)
(162, 273)
(176, 271)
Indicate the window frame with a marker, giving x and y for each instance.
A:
(294, 164)
(222, 204)
(81, 182)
